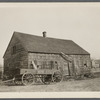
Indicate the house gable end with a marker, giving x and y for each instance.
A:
(15, 41)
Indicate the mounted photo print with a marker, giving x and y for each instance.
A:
(49, 50)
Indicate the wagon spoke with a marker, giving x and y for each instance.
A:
(27, 79)
(57, 76)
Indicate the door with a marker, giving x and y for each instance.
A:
(66, 70)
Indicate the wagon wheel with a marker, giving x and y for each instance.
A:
(28, 79)
(57, 76)
(46, 79)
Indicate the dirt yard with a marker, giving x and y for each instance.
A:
(73, 85)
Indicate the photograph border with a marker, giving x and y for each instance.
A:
(46, 1)
(93, 97)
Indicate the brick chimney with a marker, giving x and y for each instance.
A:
(44, 34)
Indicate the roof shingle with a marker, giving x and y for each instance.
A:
(40, 44)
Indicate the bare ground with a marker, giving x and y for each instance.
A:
(65, 86)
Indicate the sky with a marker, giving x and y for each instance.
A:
(79, 22)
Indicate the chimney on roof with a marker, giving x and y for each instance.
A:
(44, 34)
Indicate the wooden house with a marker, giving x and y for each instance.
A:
(24, 49)
(95, 65)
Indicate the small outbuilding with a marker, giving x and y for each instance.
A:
(25, 50)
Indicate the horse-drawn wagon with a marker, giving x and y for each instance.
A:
(30, 76)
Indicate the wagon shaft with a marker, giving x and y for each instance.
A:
(9, 80)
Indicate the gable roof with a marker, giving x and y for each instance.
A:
(40, 44)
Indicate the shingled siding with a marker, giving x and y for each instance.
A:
(78, 60)
(12, 62)
(48, 57)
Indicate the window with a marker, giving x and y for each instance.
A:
(85, 65)
(14, 50)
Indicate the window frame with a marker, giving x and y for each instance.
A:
(14, 49)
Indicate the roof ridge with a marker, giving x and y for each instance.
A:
(25, 33)
(42, 36)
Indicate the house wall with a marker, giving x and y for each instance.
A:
(78, 61)
(12, 62)
(49, 57)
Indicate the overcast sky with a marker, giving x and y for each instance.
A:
(79, 22)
